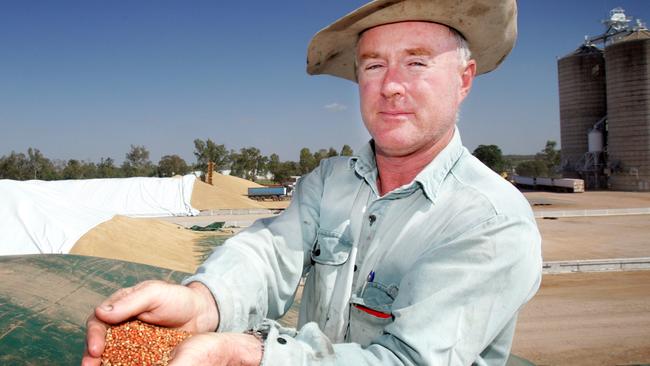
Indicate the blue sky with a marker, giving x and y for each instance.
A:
(85, 79)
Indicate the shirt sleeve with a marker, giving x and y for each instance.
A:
(255, 274)
(457, 306)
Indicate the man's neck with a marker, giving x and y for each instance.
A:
(396, 171)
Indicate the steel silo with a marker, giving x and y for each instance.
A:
(581, 79)
(628, 106)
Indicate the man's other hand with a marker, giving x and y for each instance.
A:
(218, 349)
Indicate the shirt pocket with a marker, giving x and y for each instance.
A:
(330, 249)
(371, 313)
(329, 254)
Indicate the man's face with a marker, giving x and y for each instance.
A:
(411, 84)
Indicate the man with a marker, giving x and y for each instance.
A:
(415, 253)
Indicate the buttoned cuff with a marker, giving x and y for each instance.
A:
(286, 346)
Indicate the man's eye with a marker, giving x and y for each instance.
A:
(373, 67)
(417, 63)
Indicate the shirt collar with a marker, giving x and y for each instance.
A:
(429, 179)
(432, 176)
(365, 165)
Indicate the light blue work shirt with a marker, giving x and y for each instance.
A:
(432, 273)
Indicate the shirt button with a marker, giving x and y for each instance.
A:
(282, 340)
(372, 219)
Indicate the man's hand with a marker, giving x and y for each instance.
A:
(191, 308)
(218, 349)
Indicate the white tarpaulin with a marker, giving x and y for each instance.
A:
(49, 217)
(34, 219)
(130, 196)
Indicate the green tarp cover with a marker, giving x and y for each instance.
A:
(212, 227)
(45, 300)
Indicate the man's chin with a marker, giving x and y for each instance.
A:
(395, 148)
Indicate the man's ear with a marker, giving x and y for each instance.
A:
(467, 77)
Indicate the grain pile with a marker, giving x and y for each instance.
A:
(142, 344)
(163, 244)
(149, 241)
(224, 194)
(228, 192)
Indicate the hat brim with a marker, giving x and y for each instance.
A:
(489, 26)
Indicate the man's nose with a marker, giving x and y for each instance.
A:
(393, 83)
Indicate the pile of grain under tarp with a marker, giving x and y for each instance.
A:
(163, 244)
(226, 193)
(149, 241)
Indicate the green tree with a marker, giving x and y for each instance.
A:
(40, 166)
(88, 170)
(107, 169)
(332, 152)
(282, 171)
(275, 167)
(491, 156)
(346, 151)
(248, 163)
(307, 162)
(318, 156)
(206, 151)
(137, 163)
(291, 168)
(170, 165)
(15, 166)
(73, 170)
(551, 157)
(532, 168)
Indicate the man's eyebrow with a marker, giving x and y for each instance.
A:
(367, 55)
(418, 52)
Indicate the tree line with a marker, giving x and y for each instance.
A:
(545, 163)
(247, 162)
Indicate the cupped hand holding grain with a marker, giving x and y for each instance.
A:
(191, 308)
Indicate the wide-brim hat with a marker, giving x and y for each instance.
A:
(489, 26)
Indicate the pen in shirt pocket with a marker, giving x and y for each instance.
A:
(378, 314)
(370, 278)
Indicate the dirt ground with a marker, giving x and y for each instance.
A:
(595, 237)
(587, 319)
(593, 200)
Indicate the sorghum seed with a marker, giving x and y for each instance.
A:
(142, 344)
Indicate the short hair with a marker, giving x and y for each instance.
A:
(462, 47)
(464, 52)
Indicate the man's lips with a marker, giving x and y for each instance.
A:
(395, 113)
